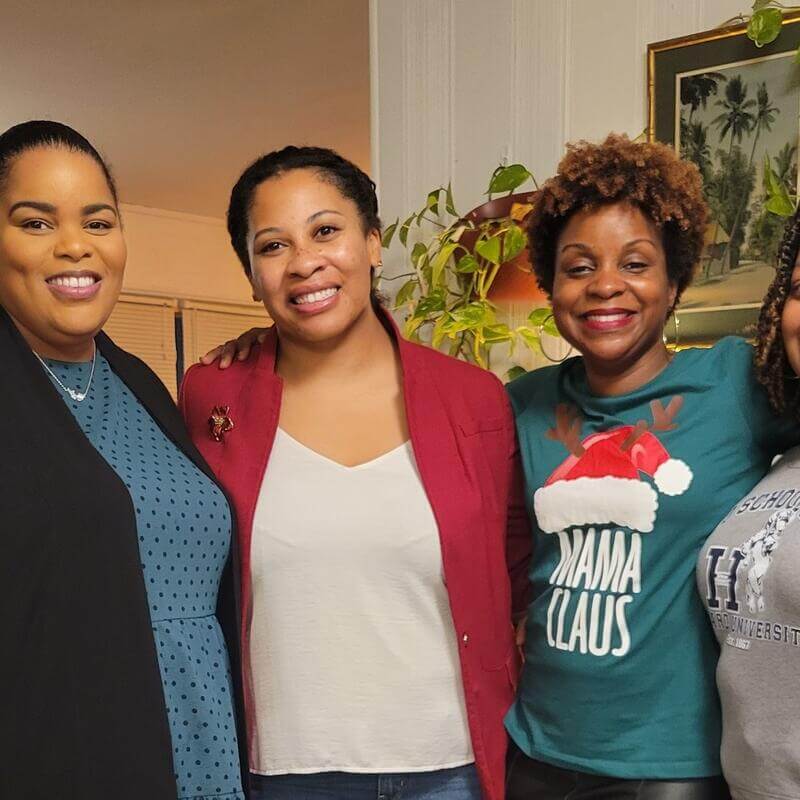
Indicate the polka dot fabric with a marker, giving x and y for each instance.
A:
(184, 528)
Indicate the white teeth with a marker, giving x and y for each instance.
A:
(315, 297)
(73, 281)
(607, 317)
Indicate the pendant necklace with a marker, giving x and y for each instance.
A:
(73, 393)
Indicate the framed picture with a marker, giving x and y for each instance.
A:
(729, 107)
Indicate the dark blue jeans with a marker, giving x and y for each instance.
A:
(459, 783)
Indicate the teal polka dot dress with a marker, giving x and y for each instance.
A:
(184, 527)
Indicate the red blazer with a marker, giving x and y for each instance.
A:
(463, 436)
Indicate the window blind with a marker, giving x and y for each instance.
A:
(145, 326)
(207, 325)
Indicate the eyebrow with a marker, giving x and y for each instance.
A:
(310, 219)
(582, 246)
(48, 208)
(45, 208)
(95, 207)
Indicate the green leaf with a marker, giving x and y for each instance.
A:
(770, 179)
(489, 249)
(778, 200)
(513, 243)
(467, 264)
(403, 235)
(549, 327)
(516, 372)
(430, 304)
(539, 316)
(418, 251)
(506, 179)
(471, 316)
(449, 205)
(765, 26)
(497, 334)
(440, 260)
(439, 330)
(531, 339)
(410, 328)
(406, 292)
(432, 202)
(542, 318)
(780, 204)
(386, 239)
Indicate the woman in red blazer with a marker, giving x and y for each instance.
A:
(374, 481)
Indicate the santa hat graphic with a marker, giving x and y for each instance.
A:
(604, 484)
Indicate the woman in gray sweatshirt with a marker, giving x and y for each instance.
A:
(747, 574)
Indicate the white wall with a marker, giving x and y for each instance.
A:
(181, 255)
(459, 85)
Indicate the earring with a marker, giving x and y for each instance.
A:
(541, 344)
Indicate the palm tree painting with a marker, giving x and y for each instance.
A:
(730, 120)
(696, 89)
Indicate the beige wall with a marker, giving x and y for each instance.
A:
(181, 255)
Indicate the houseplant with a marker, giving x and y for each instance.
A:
(454, 263)
(763, 27)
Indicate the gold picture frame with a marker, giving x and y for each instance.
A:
(728, 105)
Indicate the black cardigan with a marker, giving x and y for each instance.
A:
(82, 713)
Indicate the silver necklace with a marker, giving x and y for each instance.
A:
(73, 393)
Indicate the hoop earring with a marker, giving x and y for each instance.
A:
(541, 344)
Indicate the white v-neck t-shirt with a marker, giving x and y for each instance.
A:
(352, 646)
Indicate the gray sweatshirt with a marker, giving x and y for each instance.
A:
(748, 574)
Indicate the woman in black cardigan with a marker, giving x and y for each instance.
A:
(116, 579)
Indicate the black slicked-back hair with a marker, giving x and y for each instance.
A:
(352, 182)
(44, 133)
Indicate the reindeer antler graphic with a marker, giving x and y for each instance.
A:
(662, 417)
(568, 429)
(662, 420)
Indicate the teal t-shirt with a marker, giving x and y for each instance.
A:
(623, 491)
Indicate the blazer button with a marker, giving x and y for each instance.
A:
(465, 638)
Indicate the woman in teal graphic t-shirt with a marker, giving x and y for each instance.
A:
(632, 455)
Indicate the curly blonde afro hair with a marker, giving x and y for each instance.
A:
(648, 175)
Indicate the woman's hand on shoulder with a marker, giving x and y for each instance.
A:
(235, 349)
(519, 632)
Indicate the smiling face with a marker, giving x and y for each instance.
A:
(62, 254)
(611, 293)
(310, 257)
(790, 320)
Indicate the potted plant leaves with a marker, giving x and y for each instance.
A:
(465, 267)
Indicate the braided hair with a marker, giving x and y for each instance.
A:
(772, 366)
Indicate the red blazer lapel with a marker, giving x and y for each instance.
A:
(252, 392)
(255, 412)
